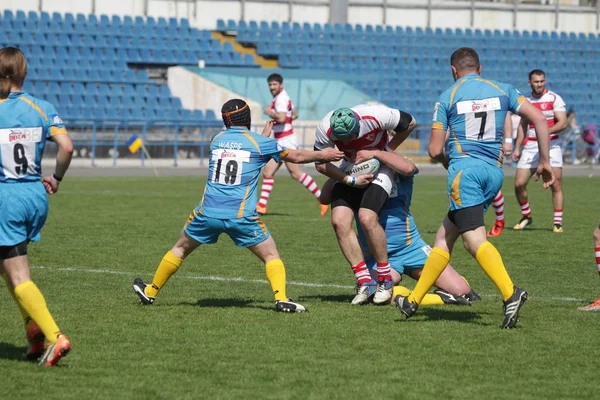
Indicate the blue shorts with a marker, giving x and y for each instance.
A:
(472, 182)
(23, 212)
(411, 258)
(244, 232)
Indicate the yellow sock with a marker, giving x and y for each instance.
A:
(276, 276)
(169, 264)
(24, 315)
(490, 261)
(434, 266)
(400, 291)
(31, 299)
(429, 299)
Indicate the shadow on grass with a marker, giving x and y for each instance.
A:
(275, 215)
(226, 303)
(458, 314)
(340, 298)
(9, 351)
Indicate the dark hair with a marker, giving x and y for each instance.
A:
(13, 69)
(236, 112)
(465, 59)
(275, 77)
(536, 72)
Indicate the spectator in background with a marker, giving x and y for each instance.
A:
(590, 136)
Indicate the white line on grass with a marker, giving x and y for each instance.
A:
(263, 281)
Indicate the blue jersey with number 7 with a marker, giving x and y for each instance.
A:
(237, 156)
(473, 111)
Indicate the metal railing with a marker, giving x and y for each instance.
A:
(96, 140)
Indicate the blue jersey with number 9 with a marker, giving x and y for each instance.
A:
(25, 125)
(237, 156)
(473, 110)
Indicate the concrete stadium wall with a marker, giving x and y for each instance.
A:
(204, 13)
(198, 93)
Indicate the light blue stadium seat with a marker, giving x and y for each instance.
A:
(210, 116)
(197, 115)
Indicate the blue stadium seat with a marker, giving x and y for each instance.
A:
(210, 115)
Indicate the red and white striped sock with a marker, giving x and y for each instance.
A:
(265, 191)
(384, 273)
(525, 210)
(310, 184)
(498, 204)
(598, 259)
(361, 272)
(558, 217)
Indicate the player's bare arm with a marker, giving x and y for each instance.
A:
(560, 122)
(402, 131)
(294, 114)
(338, 175)
(279, 117)
(63, 160)
(398, 163)
(520, 138)
(268, 129)
(436, 146)
(306, 156)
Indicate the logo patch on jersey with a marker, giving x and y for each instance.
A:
(473, 106)
(20, 135)
(435, 110)
(57, 120)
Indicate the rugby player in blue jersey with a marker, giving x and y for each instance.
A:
(228, 205)
(26, 124)
(474, 110)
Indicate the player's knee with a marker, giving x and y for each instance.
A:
(7, 252)
(368, 219)
(556, 186)
(341, 224)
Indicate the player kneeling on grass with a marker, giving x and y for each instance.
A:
(228, 205)
(407, 252)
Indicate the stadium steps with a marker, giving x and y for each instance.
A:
(243, 50)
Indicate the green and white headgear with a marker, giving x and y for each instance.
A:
(344, 123)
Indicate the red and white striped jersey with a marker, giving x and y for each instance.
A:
(548, 104)
(283, 103)
(375, 120)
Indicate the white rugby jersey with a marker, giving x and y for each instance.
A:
(549, 103)
(283, 103)
(375, 120)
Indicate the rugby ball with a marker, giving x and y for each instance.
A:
(366, 167)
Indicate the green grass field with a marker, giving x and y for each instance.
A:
(213, 331)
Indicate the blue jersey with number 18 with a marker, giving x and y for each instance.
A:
(237, 156)
(473, 110)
